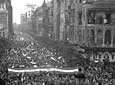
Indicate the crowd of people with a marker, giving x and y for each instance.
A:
(29, 53)
(94, 18)
(91, 75)
(44, 78)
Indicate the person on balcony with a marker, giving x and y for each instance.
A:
(98, 20)
(91, 19)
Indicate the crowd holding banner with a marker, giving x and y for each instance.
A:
(88, 76)
(29, 63)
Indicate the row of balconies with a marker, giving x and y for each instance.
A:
(98, 35)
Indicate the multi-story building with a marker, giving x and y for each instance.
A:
(60, 19)
(6, 29)
(43, 20)
(37, 21)
(67, 15)
(98, 23)
(23, 18)
(87, 22)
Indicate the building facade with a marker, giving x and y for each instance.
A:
(67, 16)
(87, 22)
(6, 29)
(43, 20)
(98, 23)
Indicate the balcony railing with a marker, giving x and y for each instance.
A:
(98, 40)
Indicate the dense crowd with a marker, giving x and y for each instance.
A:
(90, 76)
(100, 75)
(29, 53)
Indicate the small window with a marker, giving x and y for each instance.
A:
(80, 18)
(80, 1)
(92, 37)
(108, 37)
(3, 33)
(2, 6)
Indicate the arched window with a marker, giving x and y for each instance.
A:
(99, 37)
(114, 38)
(108, 37)
(92, 37)
(80, 1)
(80, 18)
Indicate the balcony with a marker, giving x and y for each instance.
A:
(101, 35)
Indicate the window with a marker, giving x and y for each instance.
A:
(114, 38)
(92, 37)
(80, 1)
(2, 6)
(3, 34)
(108, 18)
(108, 37)
(99, 35)
(80, 18)
(91, 18)
(71, 16)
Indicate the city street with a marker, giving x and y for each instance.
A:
(57, 42)
(29, 61)
(30, 53)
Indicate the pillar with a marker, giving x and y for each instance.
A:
(103, 37)
(112, 35)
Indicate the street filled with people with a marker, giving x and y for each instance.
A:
(84, 76)
(27, 53)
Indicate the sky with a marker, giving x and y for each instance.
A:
(19, 7)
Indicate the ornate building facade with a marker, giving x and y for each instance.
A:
(87, 22)
(98, 21)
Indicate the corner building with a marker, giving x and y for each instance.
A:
(98, 29)
(87, 22)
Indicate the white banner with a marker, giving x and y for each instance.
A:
(43, 70)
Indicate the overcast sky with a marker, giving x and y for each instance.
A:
(19, 6)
